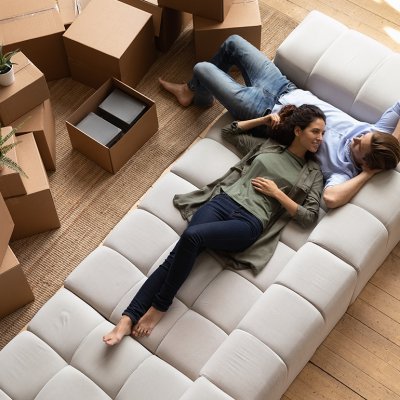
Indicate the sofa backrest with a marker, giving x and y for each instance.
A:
(343, 67)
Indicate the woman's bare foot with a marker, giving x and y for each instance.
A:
(180, 90)
(123, 328)
(147, 323)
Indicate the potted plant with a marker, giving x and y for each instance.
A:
(6, 67)
(5, 148)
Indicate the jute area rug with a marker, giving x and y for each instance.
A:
(91, 201)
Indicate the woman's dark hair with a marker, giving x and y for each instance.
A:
(292, 116)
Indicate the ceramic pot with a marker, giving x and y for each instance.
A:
(7, 78)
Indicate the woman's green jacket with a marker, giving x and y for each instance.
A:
(306, 192)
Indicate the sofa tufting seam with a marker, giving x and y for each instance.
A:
(49, 380)
(308, 301)
(213, 382)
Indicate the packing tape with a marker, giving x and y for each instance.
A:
(29, 14)
(23, 67)
(78, 7)
(245, 2)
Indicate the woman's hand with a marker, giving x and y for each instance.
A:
(265, 186)
(272, 120)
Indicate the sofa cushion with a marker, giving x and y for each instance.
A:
(246, 369)
(203, 389)
(288, 324)
(190, 343)
(154, 379)
(355, 236)
(102, 279)
(71, 384)
(64, 322)
(321, 278)
(3, 396)
(205, 162)
(141, 238)
(29, 360)
(158, 201)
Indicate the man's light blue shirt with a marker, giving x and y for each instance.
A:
(334, 155)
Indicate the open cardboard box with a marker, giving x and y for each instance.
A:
(168, 23)
(42, 125)
(212, 9)
(110, 39)
(243, 19)
(35, 27)
(34, 212)
(112, 159)
(28, 90)
(15, 291)
(6, 228)
(11, 182)
(70, 10)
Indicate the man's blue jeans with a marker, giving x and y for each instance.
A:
(220, 224)
(265, 83)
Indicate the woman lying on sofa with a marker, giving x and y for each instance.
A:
(241, 214)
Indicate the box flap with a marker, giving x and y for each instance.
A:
(14, 8)
(150, 6)
(31, 163)
(7, 226)
(9, 261)
(33, 124)
(70, 9)
(108, 26)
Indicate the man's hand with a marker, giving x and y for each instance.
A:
(265, 186)
(272, 120)
(372, 172)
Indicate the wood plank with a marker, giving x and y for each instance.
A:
(381, 300)
(392, 264)
(387, 281)
(351, 376)
(396, 250)
(314, 384)
(376, 320)
(370, 340)
(364, 360)
(388, 9)
(293, 11)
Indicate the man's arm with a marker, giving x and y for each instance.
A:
(396, 132)
(338, 195)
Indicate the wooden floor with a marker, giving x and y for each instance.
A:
(360, 359)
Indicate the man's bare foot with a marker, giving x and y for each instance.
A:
(180, 90)
(123, 328)
(147, 323)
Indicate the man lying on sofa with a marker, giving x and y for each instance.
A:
(352, 151)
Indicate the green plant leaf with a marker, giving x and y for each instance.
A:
(6, 149)
(7, 162)
(2, 141)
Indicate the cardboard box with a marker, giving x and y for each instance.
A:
(34, 212)
(6, 228)
(15, 291)
(36, 28)
(42, 125)
(212, 9)
(243, 19)
(11, 182)
(28, 90)
(114, 158)
(110, 39)
(70, 10)
(168, 23)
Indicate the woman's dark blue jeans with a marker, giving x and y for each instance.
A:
(220, 224)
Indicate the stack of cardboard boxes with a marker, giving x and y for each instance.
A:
(29, 201)
(15, 291)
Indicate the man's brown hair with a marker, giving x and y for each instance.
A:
(385, 151)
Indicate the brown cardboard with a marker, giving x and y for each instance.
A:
(28, 90)
(42, 125)
(168, 23)
(15, 291)
(212, 9)
(112, 159)
(36, 28)
(11, 182)
(34, 212)
(110, 39)
(70, 10)
(6, 228)
(243, 19)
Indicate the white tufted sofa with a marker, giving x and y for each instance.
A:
(228, 334)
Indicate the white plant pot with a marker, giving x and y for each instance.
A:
(8, 78)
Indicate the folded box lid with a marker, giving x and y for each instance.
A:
(21, 20)
(70, 9)
(108, 26)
